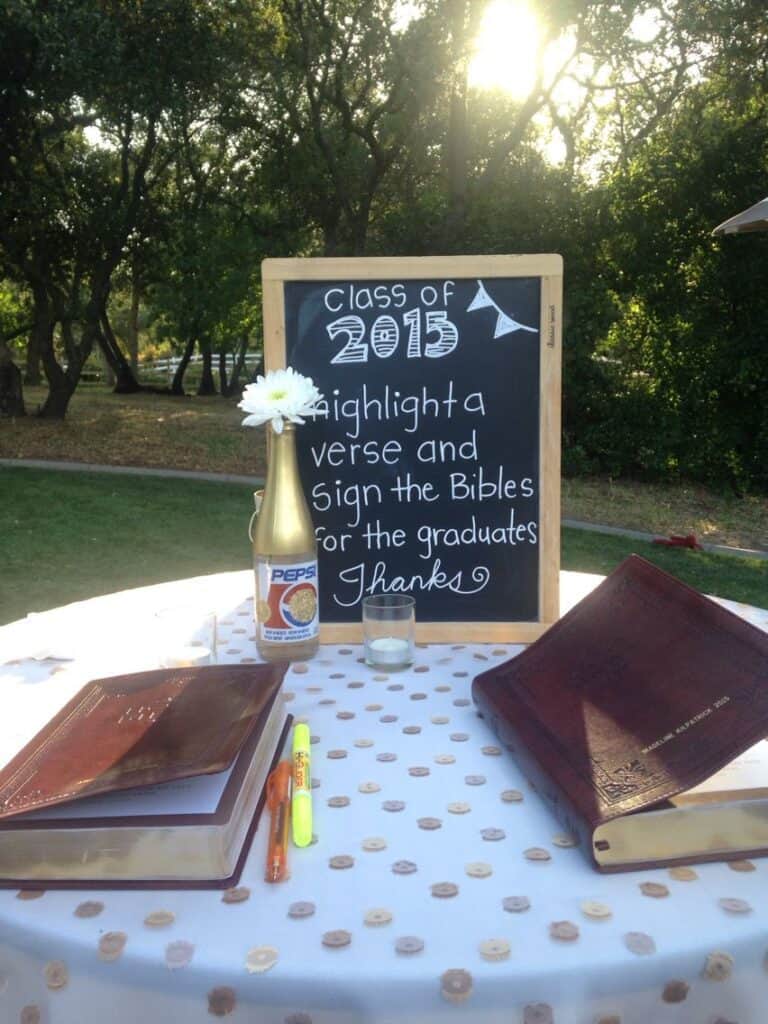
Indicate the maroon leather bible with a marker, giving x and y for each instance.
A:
(139, 730)
(623, 708)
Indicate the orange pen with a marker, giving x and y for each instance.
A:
(279, 803)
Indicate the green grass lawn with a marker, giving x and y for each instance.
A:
(69, 536)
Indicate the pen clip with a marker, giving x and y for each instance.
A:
(278, 785)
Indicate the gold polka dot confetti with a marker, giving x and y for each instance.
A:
(395, 688)
(564, 931)
(373, 707)
(178, 954)
(380, 679)
(301, 908)
(404, 867)
(374, 843)
(261, 959)
(56, 975)
(537, 853)
(345, 716)
(612, 1018)
(596, 910)
(639, 943)
(480, 657)
(418, 771)
(341, 862)
(409, 944)
(300, 669)
(443, 688)
(429, 824)
(111, 946)
(377, 916)
(30, 894)
(444, 890)
(369, 787)
(89, 908)
(655, 890)
(364, 743)
(459, 737)
(456, 985)
(336, 755)
(338, 801)
(159, 919)
(493, 835)
(683, 874)
(421, 668)
(732, 905)
(336, 939)
(718, 966)
(298, 1018)
(459, 807)
(741, 865)
(491, 751)
(221, 1001)
(675, 991)
(564, 840)
(538, 1013)
(386, 757)
(516, 904)
(474, 780)
(440, 719)
(478, 869)
(393, 805)
(30, 1014)
(412, 730)
(512, 796)
(494, 950)
(445, 759)
(388, 719)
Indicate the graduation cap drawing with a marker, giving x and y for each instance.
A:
(504, 323)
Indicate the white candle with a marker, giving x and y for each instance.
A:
(389, 650)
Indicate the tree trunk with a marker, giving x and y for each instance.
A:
(125, 381)
(41, 332)
(177, 384)
(223, 386)
(207, 384)
(132, 334)
(11, 385)
(237, 369)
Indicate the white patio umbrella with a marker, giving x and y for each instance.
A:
(753, 219)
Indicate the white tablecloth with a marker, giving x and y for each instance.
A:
(412, 787)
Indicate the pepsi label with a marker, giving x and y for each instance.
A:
(287, 601)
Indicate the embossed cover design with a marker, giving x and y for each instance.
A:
(643, 690)
(138, 730)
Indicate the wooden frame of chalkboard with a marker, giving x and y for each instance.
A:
(436, 469)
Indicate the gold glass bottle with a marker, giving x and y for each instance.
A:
(285, 559)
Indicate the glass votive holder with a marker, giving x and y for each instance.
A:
(186, 636)
(388, 631)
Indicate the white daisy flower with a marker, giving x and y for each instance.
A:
(279, 396)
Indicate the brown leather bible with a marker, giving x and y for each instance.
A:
(151, 779)
(640, 717)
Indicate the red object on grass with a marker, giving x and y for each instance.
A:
(676, 541)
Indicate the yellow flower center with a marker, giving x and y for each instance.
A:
(277, 395)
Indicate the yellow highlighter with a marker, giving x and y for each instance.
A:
(301, 809)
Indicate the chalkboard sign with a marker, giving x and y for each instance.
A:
(436, 469)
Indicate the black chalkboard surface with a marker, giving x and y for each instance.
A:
(431, 473)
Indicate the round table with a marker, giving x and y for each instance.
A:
(446, 910)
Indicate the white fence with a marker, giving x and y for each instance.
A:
(169, 366)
